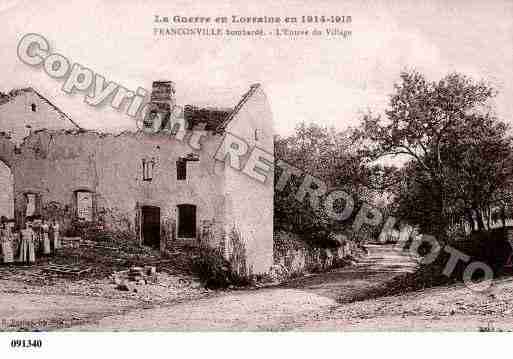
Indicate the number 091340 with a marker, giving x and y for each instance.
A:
(26, 343)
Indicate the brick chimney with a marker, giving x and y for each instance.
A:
(162, 101)
(163, 91)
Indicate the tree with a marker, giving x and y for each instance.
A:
(327, 155)
(479, 157)
(455, 149)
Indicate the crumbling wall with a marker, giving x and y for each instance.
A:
(53, 165)
(233, 211)
(56, 164)
(18, 120)
(212, 233)
(294, 256)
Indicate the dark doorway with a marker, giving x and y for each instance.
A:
(186, 221)
(150, 219)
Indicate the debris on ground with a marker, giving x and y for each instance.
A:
(67, 270)
(137, 275)
(107, 269)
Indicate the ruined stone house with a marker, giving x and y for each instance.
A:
(23, 111)
(159, 188)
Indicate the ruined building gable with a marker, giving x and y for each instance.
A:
(23, 111)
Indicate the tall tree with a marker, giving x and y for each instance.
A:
(455, 149)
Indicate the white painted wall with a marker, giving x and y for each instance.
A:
(250, 203)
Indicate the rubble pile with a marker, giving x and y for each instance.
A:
(111, 270)
(135, 275)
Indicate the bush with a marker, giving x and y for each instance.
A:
(215, 271)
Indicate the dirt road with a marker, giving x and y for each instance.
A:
(286, 307)
(314, 303)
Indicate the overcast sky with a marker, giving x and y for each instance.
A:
(329, 80)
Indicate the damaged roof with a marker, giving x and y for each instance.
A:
(5, 98)
(210, 116)
(213, 118)
(222, 126)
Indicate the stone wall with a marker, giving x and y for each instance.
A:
(23, 112)
(54, 165)
(292, 254)
(233, 210)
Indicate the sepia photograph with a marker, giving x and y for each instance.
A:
(184, 169)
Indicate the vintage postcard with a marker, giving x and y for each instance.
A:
(255, 166)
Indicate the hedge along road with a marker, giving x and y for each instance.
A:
(279, 308)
